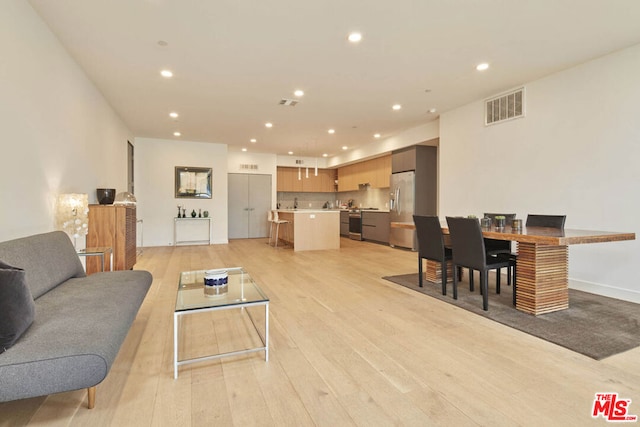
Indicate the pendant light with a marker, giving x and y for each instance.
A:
(299, 174)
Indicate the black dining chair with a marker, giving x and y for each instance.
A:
(495, 246)
(550, 221)
(431, 245)
(469, 252)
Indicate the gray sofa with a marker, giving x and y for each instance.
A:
(80, 321)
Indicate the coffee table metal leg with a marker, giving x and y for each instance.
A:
(266, 332)
(175, 346)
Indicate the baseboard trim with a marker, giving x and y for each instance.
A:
(605, 290)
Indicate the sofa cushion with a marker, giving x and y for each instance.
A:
(48, 259)
(17, 308)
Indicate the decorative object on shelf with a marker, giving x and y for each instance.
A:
(193, 213)
(516, 225)
(106, 195)
(500, 221)
(199, 213)
(72, 215)
(485, 222)
(125, 198)
(179, 211)
(205, 214)
(216, 282)
(192, 183)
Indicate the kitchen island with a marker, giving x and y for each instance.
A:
(310, 229)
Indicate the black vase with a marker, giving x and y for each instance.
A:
(106, 195)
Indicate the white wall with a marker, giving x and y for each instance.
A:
(576, 153)
(59, 135)
(156, 160)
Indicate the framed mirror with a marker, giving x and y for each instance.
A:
(193, 183)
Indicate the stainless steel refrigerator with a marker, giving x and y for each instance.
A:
(401, 208)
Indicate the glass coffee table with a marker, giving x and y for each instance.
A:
(242, 293)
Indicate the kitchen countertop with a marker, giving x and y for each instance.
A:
(308, 210)
(367, 210)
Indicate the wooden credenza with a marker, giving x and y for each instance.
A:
(113, 226)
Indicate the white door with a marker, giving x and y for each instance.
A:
(249, 204)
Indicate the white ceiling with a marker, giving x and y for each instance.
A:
(234, 60)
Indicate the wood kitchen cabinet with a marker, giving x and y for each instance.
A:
(287, 180)
(323, 183)
(112, 226)
(374, 172)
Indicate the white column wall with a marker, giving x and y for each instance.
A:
(155, 164)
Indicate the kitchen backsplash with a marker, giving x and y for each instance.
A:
(369, 198)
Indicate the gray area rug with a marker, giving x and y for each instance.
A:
(595, 326)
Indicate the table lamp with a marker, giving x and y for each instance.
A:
(72, 215)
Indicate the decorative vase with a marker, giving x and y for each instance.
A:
(193, 213)
(216, 282)
(205, 214)
(106, 195)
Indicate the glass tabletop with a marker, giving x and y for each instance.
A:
(94, 251)
(241, 290)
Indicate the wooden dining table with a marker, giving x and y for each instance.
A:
(542, 269)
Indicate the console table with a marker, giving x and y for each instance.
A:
(177, 242)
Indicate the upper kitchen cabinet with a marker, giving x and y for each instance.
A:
(403, 160)
(287, 180)
(374, 172)
(323, 183)
(382, 172)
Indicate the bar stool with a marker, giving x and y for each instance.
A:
(275, 220)
(270, 219)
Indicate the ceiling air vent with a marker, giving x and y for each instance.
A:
(299, 161)
(246, 166)
(288, 102)
(506, 106)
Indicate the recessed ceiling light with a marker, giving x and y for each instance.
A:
(377, 135)
(325, 155)
(354, 37)
(299, 93)
(482, 67)
(173, 115)
(397, 107)
(269, 124)
(177, 134)
(244, 149)
(433, 110)
(291, 153)
(166, 73)
(253, 140)
(162, 43)
(331, 131)
(344, 147)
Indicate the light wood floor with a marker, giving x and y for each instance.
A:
(347, 348)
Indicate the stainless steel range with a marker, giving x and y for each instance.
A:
(355, 224)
